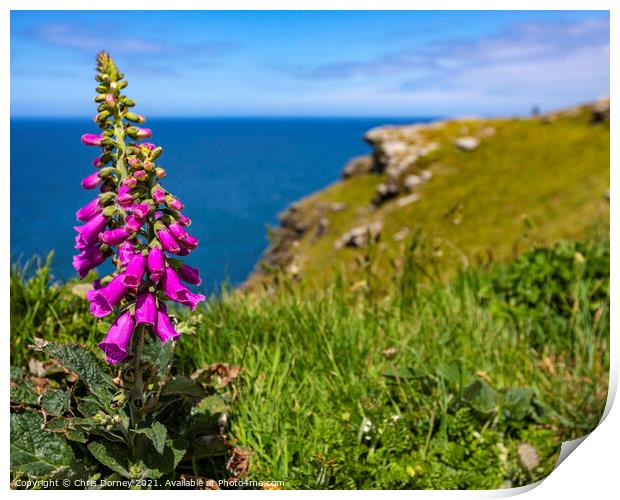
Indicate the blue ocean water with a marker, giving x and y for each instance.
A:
(233, 175)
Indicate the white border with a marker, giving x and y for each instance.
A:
(591, 471)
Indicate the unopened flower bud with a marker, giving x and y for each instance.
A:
(100, 117)
(98, 162)
(134, 162)
(109, 210)
(107, 171)
(160, 172)
(148, 166)
(92, 139)
(138, 132)
(130, 182)
(140, 175)
(135, 117)
(172, 202)
(156, 153)
(130, 103)
(91, 181)
(159, 195)
(184, 220)
(107, 197)
(110, 100)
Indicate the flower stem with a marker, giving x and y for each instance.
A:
(119, 136)
(136, 396)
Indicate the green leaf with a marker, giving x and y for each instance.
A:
(157, 433)
(158, 355)
(89, 406)
(55, 402)
(208, 446)
(183, 386)
(481, 396)
(23, 392)
(114, 456)
(34, 451)
(81, 361)
(518, 402)
(159, 464)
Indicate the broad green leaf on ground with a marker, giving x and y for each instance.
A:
(81, 361)
(35, 451)
(517, 403)
(481, 396)
(157, 434)
(113, 455)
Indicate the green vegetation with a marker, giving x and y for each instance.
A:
(532, 182)
(473, 383)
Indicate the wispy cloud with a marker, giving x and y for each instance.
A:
(524, 43)
(89, 40)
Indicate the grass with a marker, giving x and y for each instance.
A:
(428, 386)
(532, 182)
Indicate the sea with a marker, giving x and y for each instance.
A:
(234, 176)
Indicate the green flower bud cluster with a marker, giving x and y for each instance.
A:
(108, 422)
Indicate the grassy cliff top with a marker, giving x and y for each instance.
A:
(459, 191)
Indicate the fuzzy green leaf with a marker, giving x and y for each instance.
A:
(158, 355)
(518, 402)
(113, 455)
(159, 464)
(481, 396)
(23, 392)
(35, 451)
(81, 361)
(183, 386)
(55, 402)
(157, 434)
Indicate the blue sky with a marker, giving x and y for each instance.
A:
(331, 63)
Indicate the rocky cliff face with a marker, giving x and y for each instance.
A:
(404, 160)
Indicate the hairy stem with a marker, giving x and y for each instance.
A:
(136, 396)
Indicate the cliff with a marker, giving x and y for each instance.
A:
(454, 192)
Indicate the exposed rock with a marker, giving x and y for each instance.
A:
(528, 456)
(357, 166)
(397, 149)
(487, 132)
(289, 220)
(338, 207)
(412, 181)
(293, 269)
(322, 226)
(407, 200)
(601, 110)
(426, 175)
(467, 143)
(385, 191)
(358, 237)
